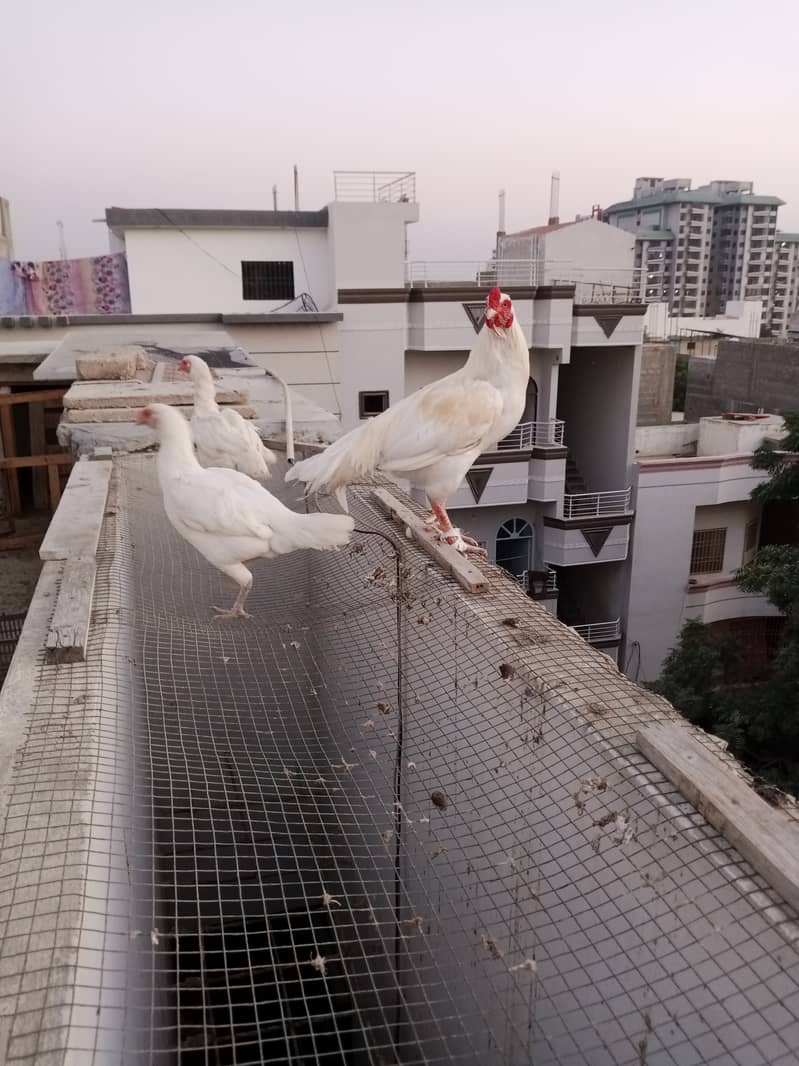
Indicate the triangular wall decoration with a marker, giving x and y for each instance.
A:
(476, 313)
(607, 323)
(595, 538)
(477, 481)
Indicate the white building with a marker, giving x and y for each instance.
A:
(699, 248)
(552, 502)
(786, 282)
(695, 526)
(587, 252)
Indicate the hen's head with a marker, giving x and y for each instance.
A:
(499, 313)
(191, 365)
(161, 418)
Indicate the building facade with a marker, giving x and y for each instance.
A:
(698, 249)
(696, 525)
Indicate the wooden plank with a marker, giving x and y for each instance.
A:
(38, 447)
(465, 573)
(8, 447)
(68, 634)
(54, 485)
(11, 398)
(75, 529)
(25, 461)
(763, 834)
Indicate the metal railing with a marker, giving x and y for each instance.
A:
(481, 272)
(375, 186)
(550, 584)
(596, 632)
(597, 285)
(595, 504)
(529, 434)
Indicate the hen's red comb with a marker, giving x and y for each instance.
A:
(493, 298)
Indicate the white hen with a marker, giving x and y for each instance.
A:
(225, 515)
(222, 436)
(433, 436)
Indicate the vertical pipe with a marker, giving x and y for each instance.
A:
(554, 199)
(296, 188)
(274, 197)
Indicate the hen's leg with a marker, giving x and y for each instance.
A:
(243, 578)
(452, 536)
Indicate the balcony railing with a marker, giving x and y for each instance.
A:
(375, 186)
(528, 435)
(598, 632)
(596, 504)
(539, 581)
(595, 285)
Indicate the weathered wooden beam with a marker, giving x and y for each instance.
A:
(38, 447)
(763, 834)
(68, 634)
(8, 399)
(24, 461)
(8, 448)
(452, 562)
(75, 529)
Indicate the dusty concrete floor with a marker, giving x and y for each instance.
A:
(19, 569)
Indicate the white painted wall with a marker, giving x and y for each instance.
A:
(172, 272)
(672, 497)
(722, 436)
(372, 341)
(367, 243)
(675, 439)
(421, 368)
(742, 318)
(589, 251)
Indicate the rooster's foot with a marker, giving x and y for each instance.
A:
(229, 612)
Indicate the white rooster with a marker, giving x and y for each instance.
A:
(222, 436)
(433, 436)
(225, 515)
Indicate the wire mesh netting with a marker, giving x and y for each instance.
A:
(382, 823)
(10, 629)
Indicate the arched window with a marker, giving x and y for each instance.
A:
(531, 402)
(515, 546)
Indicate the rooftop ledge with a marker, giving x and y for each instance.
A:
(287, 761)
(240, 318)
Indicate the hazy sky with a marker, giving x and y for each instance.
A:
(205, 104)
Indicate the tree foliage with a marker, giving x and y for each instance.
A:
(759, 719)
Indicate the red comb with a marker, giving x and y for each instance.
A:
(493, 298)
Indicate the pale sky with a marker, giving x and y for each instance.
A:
(170, 103)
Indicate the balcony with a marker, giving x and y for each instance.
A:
(597, 504)
(374, 186)
(540, 584)
(529, 435)
(602, 633)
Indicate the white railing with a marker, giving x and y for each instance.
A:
(484, 273)
(596, 632)
(595, 504)
(550, 584)
(530, 434)
(597, 285)
(375, 186)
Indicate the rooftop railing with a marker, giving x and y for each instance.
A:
(528, 435)
(595, 285)
(597, 632)
(375, 186)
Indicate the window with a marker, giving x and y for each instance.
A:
(707, 551)
(515, 546)
(372, 403)
(267, 280)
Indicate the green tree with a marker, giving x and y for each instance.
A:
(781, 464)
(694, 675)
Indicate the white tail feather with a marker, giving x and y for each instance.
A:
(316, 531)
(352, 458)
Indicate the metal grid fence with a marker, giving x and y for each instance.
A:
(381, 823)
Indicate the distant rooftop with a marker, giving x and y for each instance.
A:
(122, 218)
(703, 195)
